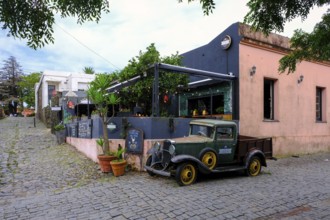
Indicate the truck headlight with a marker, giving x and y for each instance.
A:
(171, 149)
(157, 146)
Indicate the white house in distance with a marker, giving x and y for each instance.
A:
(67, 83)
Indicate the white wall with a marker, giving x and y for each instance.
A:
(63, 81)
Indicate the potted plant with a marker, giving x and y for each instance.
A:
(104, 159)
(60, 133)
(118, 165)
(97, 93)
(220, 110)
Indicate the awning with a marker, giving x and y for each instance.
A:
(194, 72)
(120, 85)
(209, 77)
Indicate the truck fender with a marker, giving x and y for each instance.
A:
(185, 158)
(257, 153)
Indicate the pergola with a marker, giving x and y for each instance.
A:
(209, 76)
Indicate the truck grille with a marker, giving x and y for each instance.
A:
(166, 145)
(166, 156)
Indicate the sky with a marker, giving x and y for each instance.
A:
(129, 28)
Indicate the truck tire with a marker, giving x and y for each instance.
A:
(186, 174)
(209, 158)
(148, 163)
(254, 166)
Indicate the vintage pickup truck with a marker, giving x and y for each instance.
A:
(213, 146)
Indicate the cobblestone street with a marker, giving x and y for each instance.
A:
(42, 180)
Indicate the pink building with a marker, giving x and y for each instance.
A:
(291, 108)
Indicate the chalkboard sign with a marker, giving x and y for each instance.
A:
(85, 129)
(134, 141)
(73, 130)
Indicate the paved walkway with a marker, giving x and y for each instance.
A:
(41, 180)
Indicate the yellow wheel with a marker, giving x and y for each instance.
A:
(254, 167)
(186, 174)
(209, 159)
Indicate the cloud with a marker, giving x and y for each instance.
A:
(131, 26)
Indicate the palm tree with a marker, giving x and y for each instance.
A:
(89, 70)
(98, 94)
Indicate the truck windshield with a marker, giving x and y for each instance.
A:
(201, 130)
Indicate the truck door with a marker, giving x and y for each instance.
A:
(225, 143)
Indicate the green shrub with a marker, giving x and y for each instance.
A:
(59, 127)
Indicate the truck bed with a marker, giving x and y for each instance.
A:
(246, 143)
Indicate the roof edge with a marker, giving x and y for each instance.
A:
(246, 32)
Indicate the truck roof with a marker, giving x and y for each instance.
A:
(212, 122)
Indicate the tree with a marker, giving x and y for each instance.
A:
(10, 75)
(34, 20)
(141, 92)
(26, 86)
(267, 16)
(89, 70)
(207, 5)
(102, 99)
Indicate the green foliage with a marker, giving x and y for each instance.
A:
(207, 5)
(100, 142)
(141, 92)
(220, 110)
(267, 16)
(89, 70)
(314, 46)
(10, 75)
(98, 94)
(59, 127)
(119, 153)
(34, 20)
(26, 86)
(68, 119)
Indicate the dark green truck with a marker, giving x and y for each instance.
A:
(213, 146)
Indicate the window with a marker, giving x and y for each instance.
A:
(51, 92)
(320, 105)
(269, 99)
(224, 133)
(82, 86)
(212, 104)
(201, 130)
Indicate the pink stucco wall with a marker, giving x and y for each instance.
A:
(295, 130)
(86, 146)
(91, 150)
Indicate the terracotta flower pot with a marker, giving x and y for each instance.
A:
(118, 168)
(104, 161)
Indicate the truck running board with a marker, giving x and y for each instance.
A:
(228, 169)
(158, 172)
